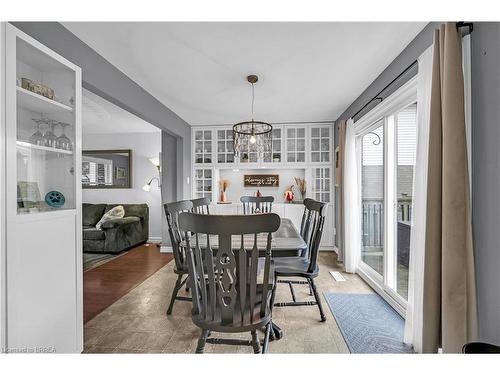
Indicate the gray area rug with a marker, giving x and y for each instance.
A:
(93, 260)
(368, 323)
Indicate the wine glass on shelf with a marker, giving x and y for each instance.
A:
(49, 136)
(37, 137)
(63, 141)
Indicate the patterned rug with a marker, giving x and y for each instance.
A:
(368, 323)
(93, 260)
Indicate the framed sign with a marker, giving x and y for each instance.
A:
(261, 180)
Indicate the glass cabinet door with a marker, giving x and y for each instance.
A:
(321, 184)
(296, 144)
(45, 131)
(320, 144)
(274, 155)
(203, 182)
(248, 153)
(225, 151)
(203, 146)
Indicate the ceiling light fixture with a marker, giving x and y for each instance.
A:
(252, 136)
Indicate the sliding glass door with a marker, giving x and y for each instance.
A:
(372, 199)
(386, 154)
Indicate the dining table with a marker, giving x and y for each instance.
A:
(286, 242)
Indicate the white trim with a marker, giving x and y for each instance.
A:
(382, 292)
(166, 249)
(396, 101)
(466, 66)
(3, 279)
(155, 240)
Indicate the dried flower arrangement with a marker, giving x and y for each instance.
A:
(301, 186)
(224, 184)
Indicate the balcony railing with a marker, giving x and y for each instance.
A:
(373, 220)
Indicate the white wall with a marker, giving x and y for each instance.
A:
(143, 146)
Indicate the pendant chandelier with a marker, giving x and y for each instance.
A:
(252, 136)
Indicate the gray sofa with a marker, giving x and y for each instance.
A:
(115, 235)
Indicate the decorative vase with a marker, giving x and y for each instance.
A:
(289, 196)
(222, 196)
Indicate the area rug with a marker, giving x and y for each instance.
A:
(93, 260)
(368, 323)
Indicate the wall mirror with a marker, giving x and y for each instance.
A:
(107, 169)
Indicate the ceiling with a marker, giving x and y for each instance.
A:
(103, 117)
(307, 71)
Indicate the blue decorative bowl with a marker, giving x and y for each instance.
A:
(55, 199)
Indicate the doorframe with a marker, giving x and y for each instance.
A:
(397, 101)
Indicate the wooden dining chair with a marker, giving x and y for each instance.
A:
(172, 211)
(305, 266)
(227, 296)
(201, 206)
(256, 205)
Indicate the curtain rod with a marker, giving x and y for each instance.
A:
(278, 123)
(459, 25)
(377, 96)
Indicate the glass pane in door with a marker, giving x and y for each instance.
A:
(372, 199)
(406, 121)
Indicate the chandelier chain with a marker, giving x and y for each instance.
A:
(253, 99)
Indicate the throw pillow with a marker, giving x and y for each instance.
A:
(117, 212)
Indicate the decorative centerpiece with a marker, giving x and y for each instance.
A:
(37, 88)
(289, 195)
(223, 185)
(301, 186)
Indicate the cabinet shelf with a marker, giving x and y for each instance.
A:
(30, 146)
(38, 103)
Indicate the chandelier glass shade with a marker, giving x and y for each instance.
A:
(252, 136)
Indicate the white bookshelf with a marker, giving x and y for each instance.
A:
(43, 240)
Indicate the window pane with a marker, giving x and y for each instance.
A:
(372, 198)
(406, 121)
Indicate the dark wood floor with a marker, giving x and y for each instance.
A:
(105, 284)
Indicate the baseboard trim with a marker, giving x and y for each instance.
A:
(166, 249)
(329, 248)
(154, 239)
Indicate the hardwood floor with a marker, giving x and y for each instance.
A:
(107, 283)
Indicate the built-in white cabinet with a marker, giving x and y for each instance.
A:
(321, 146)
(274, 156)
(43, 297)
(203, 142)
(296, 144)
(203, 181)
(302, 149)
(224, 141)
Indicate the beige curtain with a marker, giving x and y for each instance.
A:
(339, 182)
(449, 304)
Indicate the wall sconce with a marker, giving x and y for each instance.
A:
(147, 187)
(155, 160)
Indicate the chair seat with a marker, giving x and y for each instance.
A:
(237, 325)
(294, 266)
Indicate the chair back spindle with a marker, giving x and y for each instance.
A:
(172, 211)
(201, 206)
(311, 228)
(256, 205)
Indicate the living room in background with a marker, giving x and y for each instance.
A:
(109, 127)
